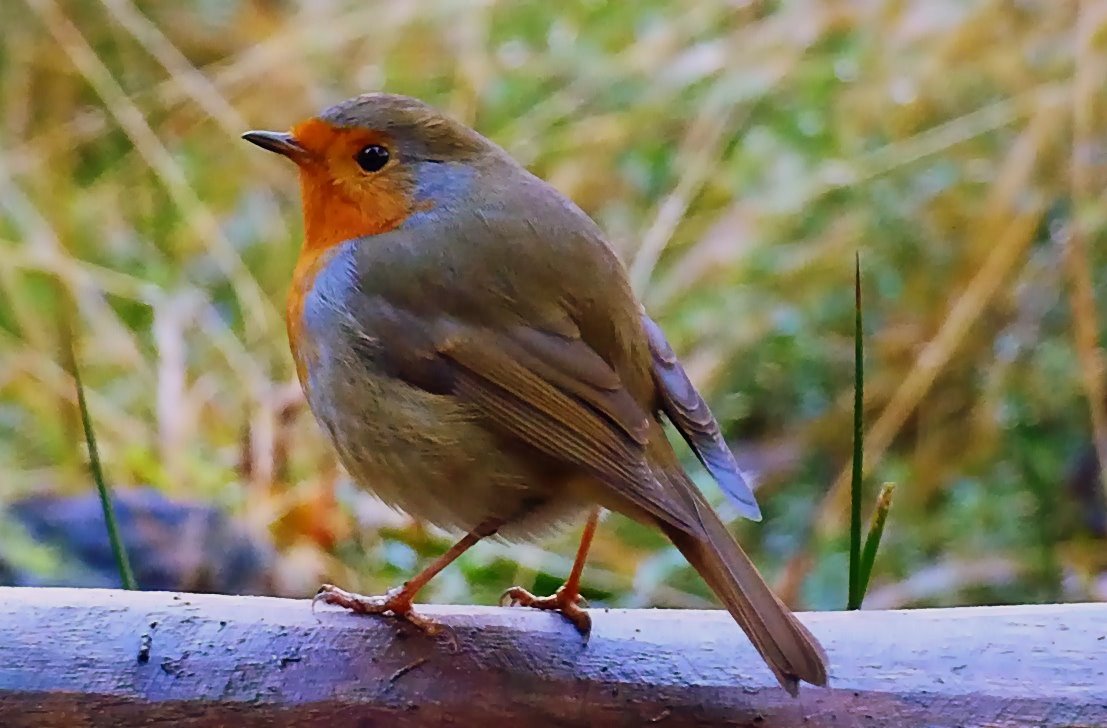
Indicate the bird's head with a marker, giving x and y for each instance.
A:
(370, 163)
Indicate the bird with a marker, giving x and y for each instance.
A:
(470, 343)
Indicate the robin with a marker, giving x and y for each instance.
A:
(472, 346)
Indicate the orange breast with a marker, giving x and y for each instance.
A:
(303, 279)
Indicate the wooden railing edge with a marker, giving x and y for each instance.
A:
(102, 657)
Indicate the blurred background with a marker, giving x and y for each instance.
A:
(737, 154)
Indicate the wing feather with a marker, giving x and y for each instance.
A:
(691, 416)
(550, 391)
(558, 416)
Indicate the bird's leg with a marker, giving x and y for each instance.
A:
(398, 602)
(567, 598)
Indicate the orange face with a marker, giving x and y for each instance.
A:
(341, 199)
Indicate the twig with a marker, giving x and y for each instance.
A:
(407, 668)
(1006, 253)
(259, 311)
(1085, 91)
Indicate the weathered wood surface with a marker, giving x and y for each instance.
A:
(106, 658)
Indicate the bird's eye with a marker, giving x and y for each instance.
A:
(372, 158)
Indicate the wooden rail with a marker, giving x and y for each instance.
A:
(106, 658)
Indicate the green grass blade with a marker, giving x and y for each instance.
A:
(855, 590)
(872, 541)
(126, 576)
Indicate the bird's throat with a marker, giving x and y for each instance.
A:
(330, 219)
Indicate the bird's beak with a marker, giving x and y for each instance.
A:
(279, 142)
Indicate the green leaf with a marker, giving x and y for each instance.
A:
(122, 563)
(856, 591)
(872, 541)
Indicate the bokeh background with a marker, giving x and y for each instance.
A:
(737, 154)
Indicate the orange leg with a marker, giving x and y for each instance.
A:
(567, 598)
(398, 602)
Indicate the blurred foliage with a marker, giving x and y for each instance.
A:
(737, 153)
(178, 546)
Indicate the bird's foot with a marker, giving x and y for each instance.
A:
(394, 603)
(568, 603)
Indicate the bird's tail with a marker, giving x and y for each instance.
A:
(789, 649)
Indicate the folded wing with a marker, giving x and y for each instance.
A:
(689, 413)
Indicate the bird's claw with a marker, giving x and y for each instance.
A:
(389, 602)
(393, 603)
(569, 605)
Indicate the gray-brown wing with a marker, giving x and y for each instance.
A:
(549, 391)
(693, 419)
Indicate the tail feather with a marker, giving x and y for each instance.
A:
(789, 649)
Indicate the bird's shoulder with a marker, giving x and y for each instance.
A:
(514, 254)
